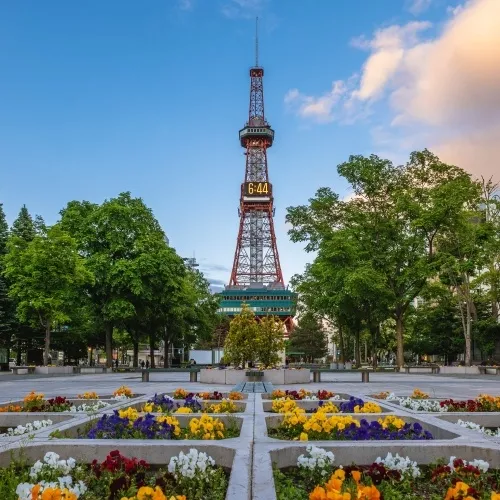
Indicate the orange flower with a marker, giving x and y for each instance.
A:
(34, 492)
(356, 475)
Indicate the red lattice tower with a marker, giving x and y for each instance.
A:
(256, 258)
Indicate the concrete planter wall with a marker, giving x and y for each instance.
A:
(236, 459)
(52, 370)
(234, 377)
(469, 370)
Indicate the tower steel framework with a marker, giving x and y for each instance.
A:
(256, 259)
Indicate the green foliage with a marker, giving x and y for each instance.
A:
(309, 337)
(7, 306)
(43, 275)
(249, 339)
(269, 341)
(376, 251)
(239, 346)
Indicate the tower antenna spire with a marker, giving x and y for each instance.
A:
(257, 42)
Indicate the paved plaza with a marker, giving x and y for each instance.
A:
(16, 387)
(251, 455)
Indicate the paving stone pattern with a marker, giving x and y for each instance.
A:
(252, 454)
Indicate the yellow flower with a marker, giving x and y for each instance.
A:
(131, 413)
(180, 394)
(205, 427)
(278, 393)
(88, 395)
(148, 408)
(183, 409)
(34, 397)
(368, 408)
(304, 436)
(123, 391)
(391, 421)
(418, 394)
(328, 408)
(225, 406)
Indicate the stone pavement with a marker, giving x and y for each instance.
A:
(251, 454)
(15, 387)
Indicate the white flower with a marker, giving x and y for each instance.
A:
(191, 464)
(23, 491)
(422, 405)
(318, 459)
(478, 428)
(402, 465)
(482, 465)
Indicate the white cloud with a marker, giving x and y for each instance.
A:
(419, 6)
(185, 4)
(242, 8)
(443, 90)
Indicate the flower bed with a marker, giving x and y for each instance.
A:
(85, 403)
(186, 477)
(28, 428)
(354, 405)
(321, 426)
(316, 476)
(206, 395)
(130, 424)
(483, 403)
(304, 395)
(190, 404)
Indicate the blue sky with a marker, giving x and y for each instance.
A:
(102, 97)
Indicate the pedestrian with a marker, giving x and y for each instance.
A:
(142, 364)
(147, 363)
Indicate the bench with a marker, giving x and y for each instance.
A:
(193, 372)
(429, 368)
(365, 374)
(16, 369)
(482, 369)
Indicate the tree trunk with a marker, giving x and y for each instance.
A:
(468, 324)
(341, 342)
(400, 358)
(152, 348)
(108, 326)
(136, 354)
(18, 356)
(46, 350)
(357, 351)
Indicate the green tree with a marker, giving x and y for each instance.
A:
(119, 240)
(390, 224)
(43, 275)
(434, 326)
(26, 335)
(23, 226)
(463, 256)
(7, 306)
(309, 337)
(269, 342)
(239, 346)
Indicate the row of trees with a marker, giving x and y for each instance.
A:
(423, 230)
(101, 270)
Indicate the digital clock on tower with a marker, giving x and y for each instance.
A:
(258, 189)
